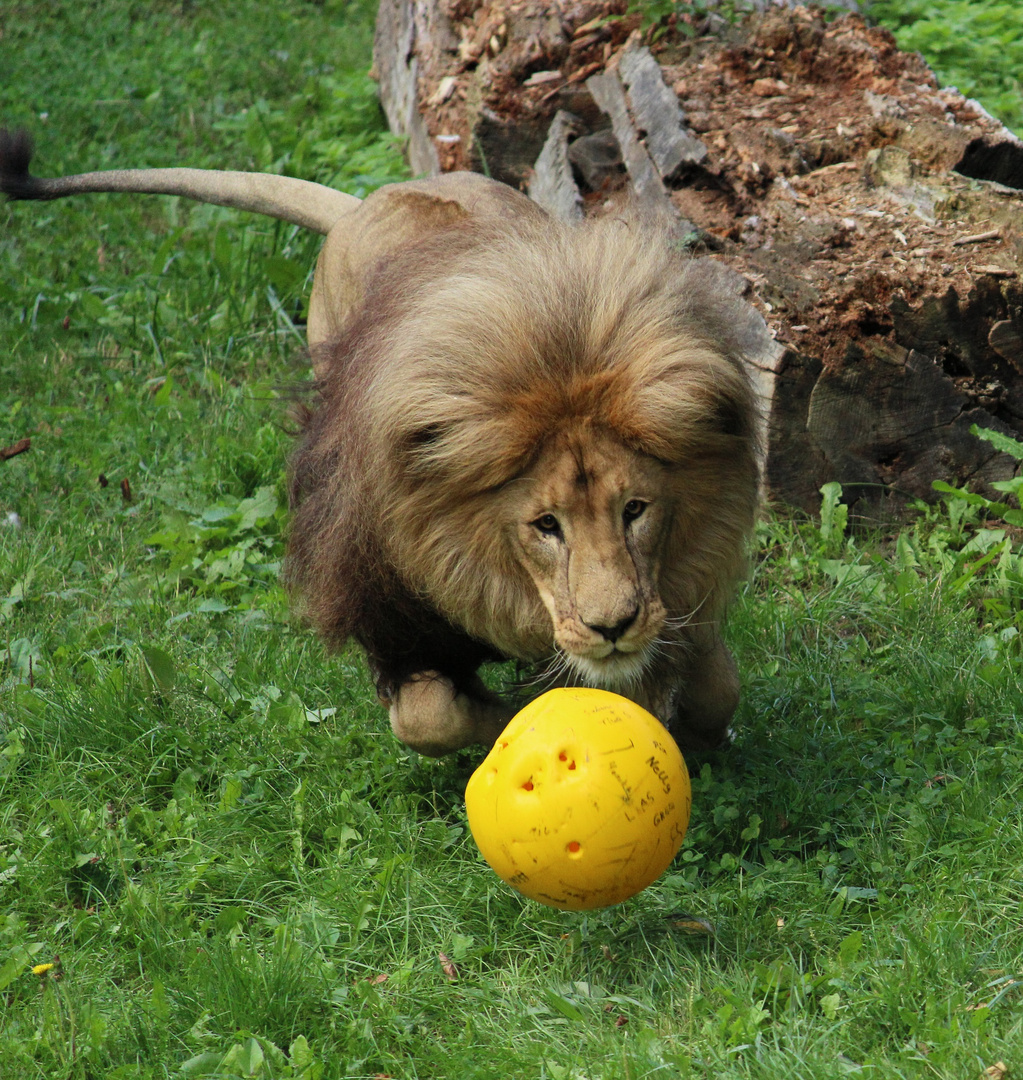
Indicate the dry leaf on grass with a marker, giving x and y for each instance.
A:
(690, 924)
(449, 968)
(7, 452)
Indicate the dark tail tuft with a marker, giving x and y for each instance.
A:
(15, 154)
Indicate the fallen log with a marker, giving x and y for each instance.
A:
(874, 219)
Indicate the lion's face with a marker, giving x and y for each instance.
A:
(590, 526)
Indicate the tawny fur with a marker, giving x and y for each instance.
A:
(482, 372)
(477, 348)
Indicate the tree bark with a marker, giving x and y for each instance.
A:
(873, 219)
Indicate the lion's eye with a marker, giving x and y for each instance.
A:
(633, 509)
(548, 525)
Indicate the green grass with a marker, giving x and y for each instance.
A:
(976, 45)
(208, 821)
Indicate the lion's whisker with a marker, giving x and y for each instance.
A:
(671, 643)
(680, 622)
(554, 666)
(687, 624)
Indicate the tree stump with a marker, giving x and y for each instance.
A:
(873, 219)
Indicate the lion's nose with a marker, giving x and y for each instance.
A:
(613, 633)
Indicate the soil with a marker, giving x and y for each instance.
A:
(835, 182)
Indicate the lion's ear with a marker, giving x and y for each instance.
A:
(471, 457)
(424, 436)
(418, 214)
(726, 402)
(731, 416)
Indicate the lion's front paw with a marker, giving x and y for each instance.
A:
(429, 714)
(692, 735)
(708, 700)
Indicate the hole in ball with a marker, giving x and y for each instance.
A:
(528, 785)
(573, 847)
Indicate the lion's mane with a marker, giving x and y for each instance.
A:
(470, 350)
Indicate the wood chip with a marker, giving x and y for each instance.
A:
(539, 78)
(443, 91)
(839, 166)
(588, 26)
(582, 44)
(769, 87)
(994, 271)
(977, 238)
(584, 72)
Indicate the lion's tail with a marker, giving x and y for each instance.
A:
(300, 202)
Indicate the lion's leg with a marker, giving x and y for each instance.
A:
(707, 700)
(431, 716)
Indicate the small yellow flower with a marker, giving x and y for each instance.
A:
(42, 969)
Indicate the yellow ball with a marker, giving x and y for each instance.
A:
(583, 801)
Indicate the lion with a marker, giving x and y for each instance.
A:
(527, 441)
